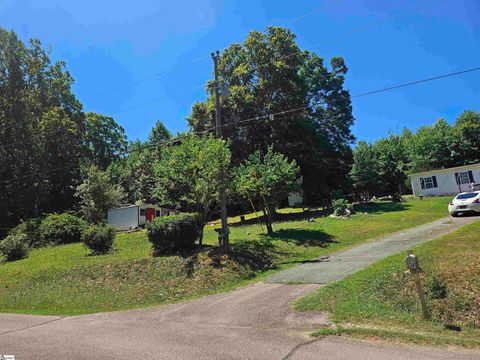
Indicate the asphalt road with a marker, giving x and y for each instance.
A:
(253, 322)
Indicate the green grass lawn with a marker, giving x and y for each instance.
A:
(67, 280)
(381, 301)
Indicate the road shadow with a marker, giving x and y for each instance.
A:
(304, 237)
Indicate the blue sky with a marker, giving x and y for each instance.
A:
(109, 45)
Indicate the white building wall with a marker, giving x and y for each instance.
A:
(124, 218)
(447, 184)
(295, 199)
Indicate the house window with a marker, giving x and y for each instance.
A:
(429, 182)
(157, 213)
(464, 178)
(142, 212)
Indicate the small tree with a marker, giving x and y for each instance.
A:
(97, 195)
(267, 179)
(188, 177)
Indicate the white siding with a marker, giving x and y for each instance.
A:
(446, 182)
(295, 199)
(124, 218)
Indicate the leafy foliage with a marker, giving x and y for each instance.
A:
(269, 73)
(97, 195)
(99, 238)
(341, 207)
(188, 176)
(14, 247)
(382, 168)
(174, 233)
(32, 229)
(267, 179)
(63, 228)
(46, 138)
(104, 139)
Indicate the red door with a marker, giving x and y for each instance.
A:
(150, 214)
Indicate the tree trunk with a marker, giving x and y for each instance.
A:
(268, 221)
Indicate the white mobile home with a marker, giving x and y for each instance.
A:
(134, 216)
(445, 181)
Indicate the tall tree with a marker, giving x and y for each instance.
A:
(104, 139)
(467, 137)
(393, 164)
(33, 91)
(365, 171)
(432, 147)
(188, 175)
(268, 73)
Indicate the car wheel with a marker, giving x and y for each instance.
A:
(454, 214)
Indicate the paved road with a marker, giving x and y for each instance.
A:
(253, 322)
(343, 263)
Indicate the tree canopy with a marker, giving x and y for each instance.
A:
(268, 74)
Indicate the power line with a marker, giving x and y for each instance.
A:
(398, 86)
(417, 82)
(152, 76)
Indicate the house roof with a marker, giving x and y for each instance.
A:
(452, 169)
(132, 206)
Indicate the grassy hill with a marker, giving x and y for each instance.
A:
(381, 301)
(67, 280)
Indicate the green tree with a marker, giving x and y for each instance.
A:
(136, 174)
(159, 134)
(267, 179)
(187, 176)
(33, 92)
(432, 147)
(103, 139)
(268, 73)
(365, 174)
(467, 137)
(97, 195)
(393, 164)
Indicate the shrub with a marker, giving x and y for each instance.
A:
(173, 233)
(99, 238)
(342, 207)
(31, 228)
(63, 228)
(14, 247)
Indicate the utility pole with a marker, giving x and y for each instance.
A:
(218, 132)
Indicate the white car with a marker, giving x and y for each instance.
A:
(467, 202)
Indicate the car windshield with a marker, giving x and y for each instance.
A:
(467, 196)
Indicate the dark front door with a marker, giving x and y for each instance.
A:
(150, 214)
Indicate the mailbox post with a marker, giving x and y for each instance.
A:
(411, 261)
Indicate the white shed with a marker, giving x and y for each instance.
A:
(445, 181)
(134, 216)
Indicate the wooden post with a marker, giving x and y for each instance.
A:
(413, 266)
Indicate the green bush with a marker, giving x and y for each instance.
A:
(99, 238)
(342, 207)
(32, 229)
(14, 247)
(63, 228)
(173, 233)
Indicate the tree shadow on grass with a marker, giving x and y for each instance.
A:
(304, 237)
(280, 217)
(382, 207)
(256, 255)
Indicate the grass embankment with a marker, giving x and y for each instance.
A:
(381, 301)
(67, 280)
